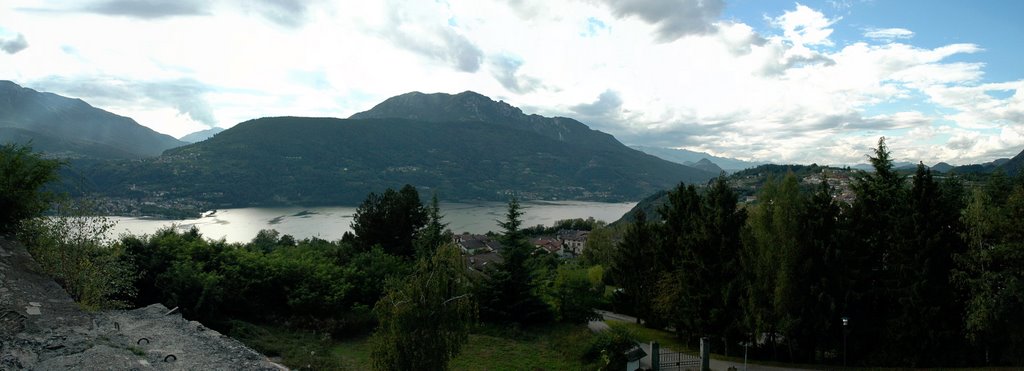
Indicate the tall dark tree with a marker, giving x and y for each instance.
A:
(877, 215)
(680, 299)
(392, 220)
(819, 275)
(702, 292)
(435, 233)
(633, 266)
(927, 313)
(509, 293)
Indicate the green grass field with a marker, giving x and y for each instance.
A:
(556, 347)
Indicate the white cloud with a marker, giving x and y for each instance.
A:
(805, 26)
(678, 76)
(888, 33)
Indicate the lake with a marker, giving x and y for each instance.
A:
(330, 223)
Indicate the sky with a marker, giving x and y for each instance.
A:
(780, 81)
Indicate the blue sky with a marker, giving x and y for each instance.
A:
(781, 81)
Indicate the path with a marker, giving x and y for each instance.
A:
(717, 365)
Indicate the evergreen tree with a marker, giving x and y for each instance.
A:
(633, 267)
(674, 265)
(877, 215)
(820, 275)
(701, 295)
(435, 233)
(927, 312)
(509, 293)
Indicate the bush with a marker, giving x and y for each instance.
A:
(22, 177)
(73, 248)
(611, 347)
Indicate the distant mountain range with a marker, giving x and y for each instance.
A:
(201, 135)
(69, 127)
(691, 158)
(464, 146)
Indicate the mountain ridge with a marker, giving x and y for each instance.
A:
(201, 135)
(72, 126)
(684, 156)
(329, 161)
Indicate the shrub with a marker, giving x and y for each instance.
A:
(73, 248)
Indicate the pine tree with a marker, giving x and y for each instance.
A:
(876, 215)
(633, 267)
(435, 233)
(509, 293)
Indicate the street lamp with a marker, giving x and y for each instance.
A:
(846, 323)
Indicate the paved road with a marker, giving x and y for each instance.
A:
(717, 365)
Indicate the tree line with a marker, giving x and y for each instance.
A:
(398, 277)
(917, 272)
(925, 271)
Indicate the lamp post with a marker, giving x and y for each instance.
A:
(846, 323)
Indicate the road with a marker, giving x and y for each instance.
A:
(717, 365)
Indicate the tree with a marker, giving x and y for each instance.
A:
(574, 296)
(633, 267)
(425, 319)
(392, 220)
(773, 260)
(877, 216)
(701, 238)
(991, 272)
(928, 312)
(819, 273)
(435, 233)
(600, 247)
(509, 293)
(23, 174)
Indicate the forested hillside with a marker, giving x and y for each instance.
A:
(324, 161)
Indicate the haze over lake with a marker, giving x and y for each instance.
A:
(330, 223)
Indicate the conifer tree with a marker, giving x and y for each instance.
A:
(509, 293)
(633, 267)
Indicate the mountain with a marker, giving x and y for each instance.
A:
(901, 165)
(73, 128)
(706, 165)
(201, 135)
(942, 167)
(485, 151)
(1014, 165)
(683, 156)
(984, 168)
(469, 106)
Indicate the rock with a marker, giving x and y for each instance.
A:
(52, 333)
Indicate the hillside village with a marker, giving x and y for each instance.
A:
(481, 250)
